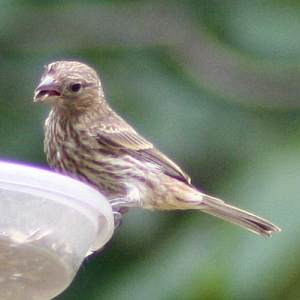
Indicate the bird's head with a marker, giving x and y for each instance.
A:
(69, 85)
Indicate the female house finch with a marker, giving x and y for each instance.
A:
(87, 140)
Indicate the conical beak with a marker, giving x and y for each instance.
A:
(46, 90)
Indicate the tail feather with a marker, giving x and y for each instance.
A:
(220, 209)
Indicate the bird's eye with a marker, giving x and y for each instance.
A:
(75, 87)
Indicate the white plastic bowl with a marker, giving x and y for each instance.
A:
(48, 224)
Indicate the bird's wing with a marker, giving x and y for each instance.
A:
(122, 136)
(164, 163)
(119, 137)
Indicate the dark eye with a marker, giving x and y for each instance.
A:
(75, 87)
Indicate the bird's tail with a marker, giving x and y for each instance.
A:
(218, 208)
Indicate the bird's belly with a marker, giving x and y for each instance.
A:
(111, 173)
(117, 175)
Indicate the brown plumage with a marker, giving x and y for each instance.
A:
(87, 140)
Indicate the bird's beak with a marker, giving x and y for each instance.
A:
(47, 90)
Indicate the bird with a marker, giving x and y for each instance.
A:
(87, 140)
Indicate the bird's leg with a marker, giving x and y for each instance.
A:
(122, 204)
(119, 202)
(117, 216)
(118, 209)
(132, 198)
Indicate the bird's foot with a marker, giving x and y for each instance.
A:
(117, 219)
(118, 210)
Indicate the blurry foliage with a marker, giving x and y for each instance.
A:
(215, 85)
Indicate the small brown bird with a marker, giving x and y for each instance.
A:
(87, 140)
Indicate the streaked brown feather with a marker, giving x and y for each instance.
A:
(120, 135)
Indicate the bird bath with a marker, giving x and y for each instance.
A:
(48, 224)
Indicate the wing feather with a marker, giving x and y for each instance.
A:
(120, 135)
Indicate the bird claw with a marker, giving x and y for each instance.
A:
(118, 210)
(117, 219)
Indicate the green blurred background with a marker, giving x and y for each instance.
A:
(215, 85)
